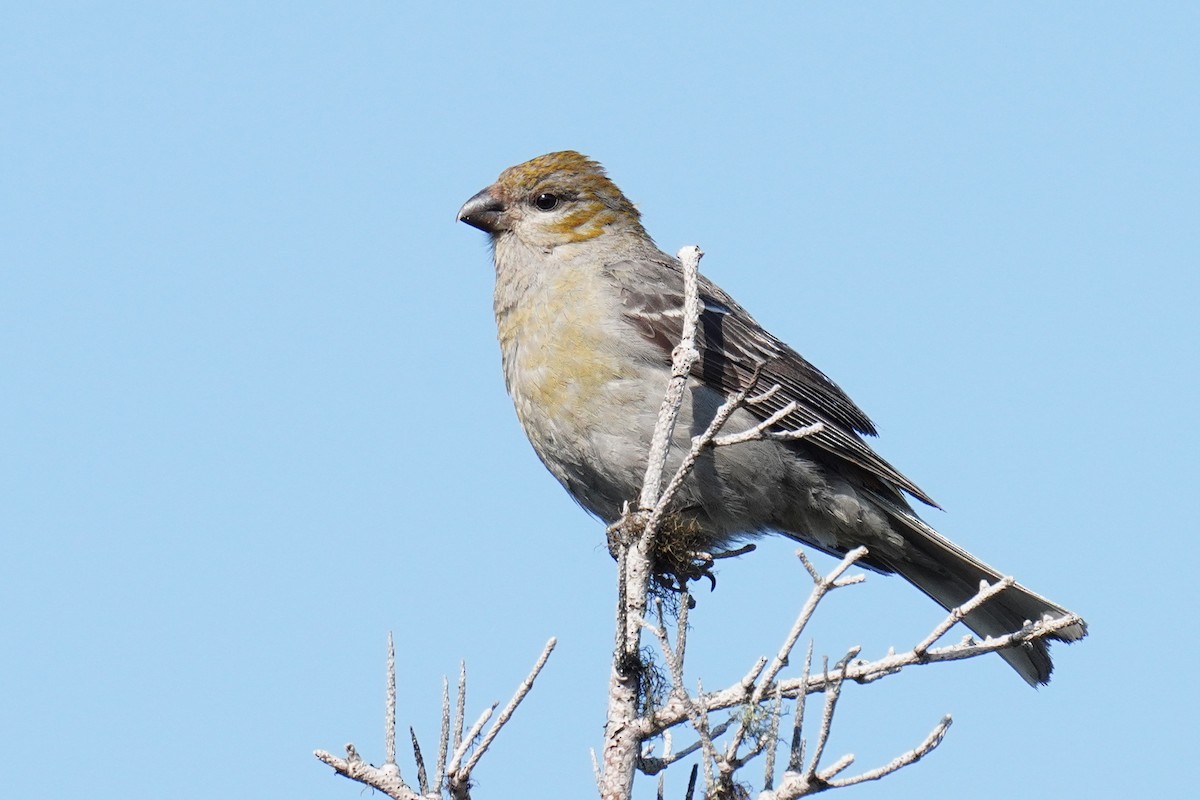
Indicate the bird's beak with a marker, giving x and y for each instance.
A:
(483, 211)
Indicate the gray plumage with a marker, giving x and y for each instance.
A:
(588, 311)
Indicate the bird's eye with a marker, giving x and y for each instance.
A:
(546, 201)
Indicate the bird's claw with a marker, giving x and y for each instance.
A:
(674, 573)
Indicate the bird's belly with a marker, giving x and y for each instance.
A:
(587, 423)
(567, 368)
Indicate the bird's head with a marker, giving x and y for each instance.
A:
(555, 199)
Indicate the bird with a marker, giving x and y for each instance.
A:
(588, 310)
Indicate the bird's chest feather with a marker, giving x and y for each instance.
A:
(570, 358)
(559, 345)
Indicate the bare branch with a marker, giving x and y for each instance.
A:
(422, 776)
(669, 653)
(821, 588)
(460, 707)
(453, 778)
(773, 739)
(655, 765)
(635, 538)
(389, 734)
(385, 779)
(757, 431)
(709, 437)
(706, 739)
(796, 784)
(796, 757)
(763, 397)
(866, 672)
(696, 714)
(838, 767)
(472, 734)
(813, 572)
(794, 435)
(699, 444)
(439, 772)
(832, 693)
(750, 677)
(986, 592)
(691, 787)
(517, 697)
(672, 713)
(683, 358)
(596, 775)
(911, 757)
(681, 626)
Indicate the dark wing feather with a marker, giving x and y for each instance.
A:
(733, 347)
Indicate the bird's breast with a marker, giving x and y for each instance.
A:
(577, 382)
(560, 346)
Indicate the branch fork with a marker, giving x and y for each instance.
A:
(451, 779)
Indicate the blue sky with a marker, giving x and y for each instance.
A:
(253, 416)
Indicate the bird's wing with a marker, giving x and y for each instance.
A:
(733, 348)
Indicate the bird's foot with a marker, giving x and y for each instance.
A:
(674, 570)
(625, 531)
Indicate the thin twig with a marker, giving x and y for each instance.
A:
(596, 770)
(422, 776)
(696, 714)
(664, 644)
(772, 738)
(506, 714)
(911, 757)
(701, 443)
(821, 588)
(838, 767)
(706, 741)
(662, 776)
(866, 672)
(813, 572)
(832, 692)
(460, 709)
(755, 431)
(763, 397)
(673, 712)
(439, 773)
(472, 734)
(986, 592)
(389, 734)
(654, 765)
(759, 432)
(683, 358)
(681, 626)
(796, 757)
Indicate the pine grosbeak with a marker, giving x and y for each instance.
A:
(588, 311)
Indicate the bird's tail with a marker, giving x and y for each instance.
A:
(951, 576)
